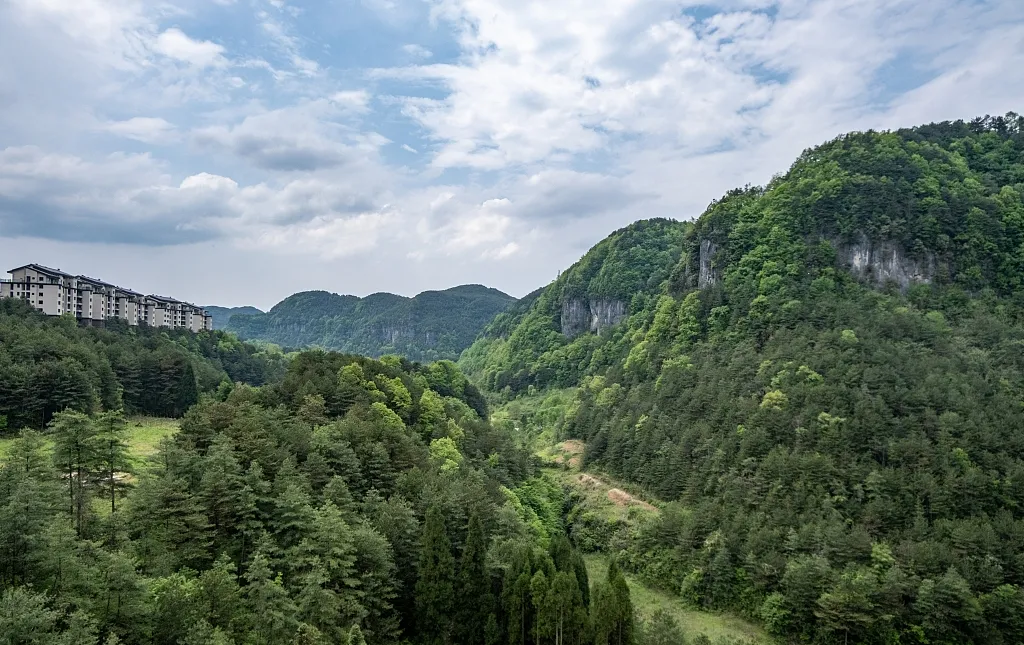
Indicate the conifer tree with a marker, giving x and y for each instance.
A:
(271, 611)
(112, 453)
(435, 587)
(475, 600)
(355, 636)
(74, 451)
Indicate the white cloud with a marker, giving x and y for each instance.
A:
(353, 100)
(417, 51)
(175, 44)
(145, 129)
(542, 82)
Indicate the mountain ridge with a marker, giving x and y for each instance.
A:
(432, 325)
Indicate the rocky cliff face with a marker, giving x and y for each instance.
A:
(580, 315)
(879, 263)
(885, 262)
(707, 274)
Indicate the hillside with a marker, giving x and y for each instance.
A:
(433, 325)
(221, 315)
(51, 364)
(822, 381)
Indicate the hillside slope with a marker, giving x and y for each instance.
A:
(50, 364)
(221, 315)
(433, 325)
(827, 385)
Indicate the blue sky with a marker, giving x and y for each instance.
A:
(236, 151)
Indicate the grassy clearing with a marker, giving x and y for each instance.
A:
(618, 502)
(144, 437)
(146, 433)
(647, 601)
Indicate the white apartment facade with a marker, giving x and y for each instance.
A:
(91, 301)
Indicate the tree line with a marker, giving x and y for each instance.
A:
(51, 364)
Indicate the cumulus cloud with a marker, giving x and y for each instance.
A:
(174, 43)
(131, 199)
(540, 81)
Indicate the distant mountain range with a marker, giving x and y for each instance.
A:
(431, 326)
(221, 315)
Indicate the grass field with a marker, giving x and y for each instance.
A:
(144, 437)
(647, 601)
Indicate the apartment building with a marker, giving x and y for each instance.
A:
(93, 302)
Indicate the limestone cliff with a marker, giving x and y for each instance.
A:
(884, 262)
(878, 262)
(708, 275)
(580, 315)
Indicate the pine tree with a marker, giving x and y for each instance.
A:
(271, 611)
(220, 488)
(475, 600)
(435, 588)
(622, 631)
(112, 456)
(187, 390)
(318, 605)
(74, 451)
(355, 636)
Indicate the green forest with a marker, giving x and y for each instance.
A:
(343, 500)
(837, 452)
(434, 325)
(48, 365)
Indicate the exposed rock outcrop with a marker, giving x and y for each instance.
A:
(708, 275)
(884, 262)
(877, 262)
(580, 315)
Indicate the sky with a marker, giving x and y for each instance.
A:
(233, 152)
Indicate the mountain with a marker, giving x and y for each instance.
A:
(221, 315)
(822, 378)
(431, 326)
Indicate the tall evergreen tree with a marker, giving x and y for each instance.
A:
(75, 452)
(112, 457)
(435, 586)
(475, 600)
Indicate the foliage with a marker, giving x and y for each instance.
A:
(352, 500)
(433, 325)
(50, 364)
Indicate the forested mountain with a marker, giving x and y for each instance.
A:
(823, 378)
(433, 325)
(221, 315)
(51, 364)
(351, 501)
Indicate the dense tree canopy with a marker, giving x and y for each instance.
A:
(51, 364)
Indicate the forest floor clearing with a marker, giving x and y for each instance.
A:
(144, 436)
(693, 622)
(612, 499)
